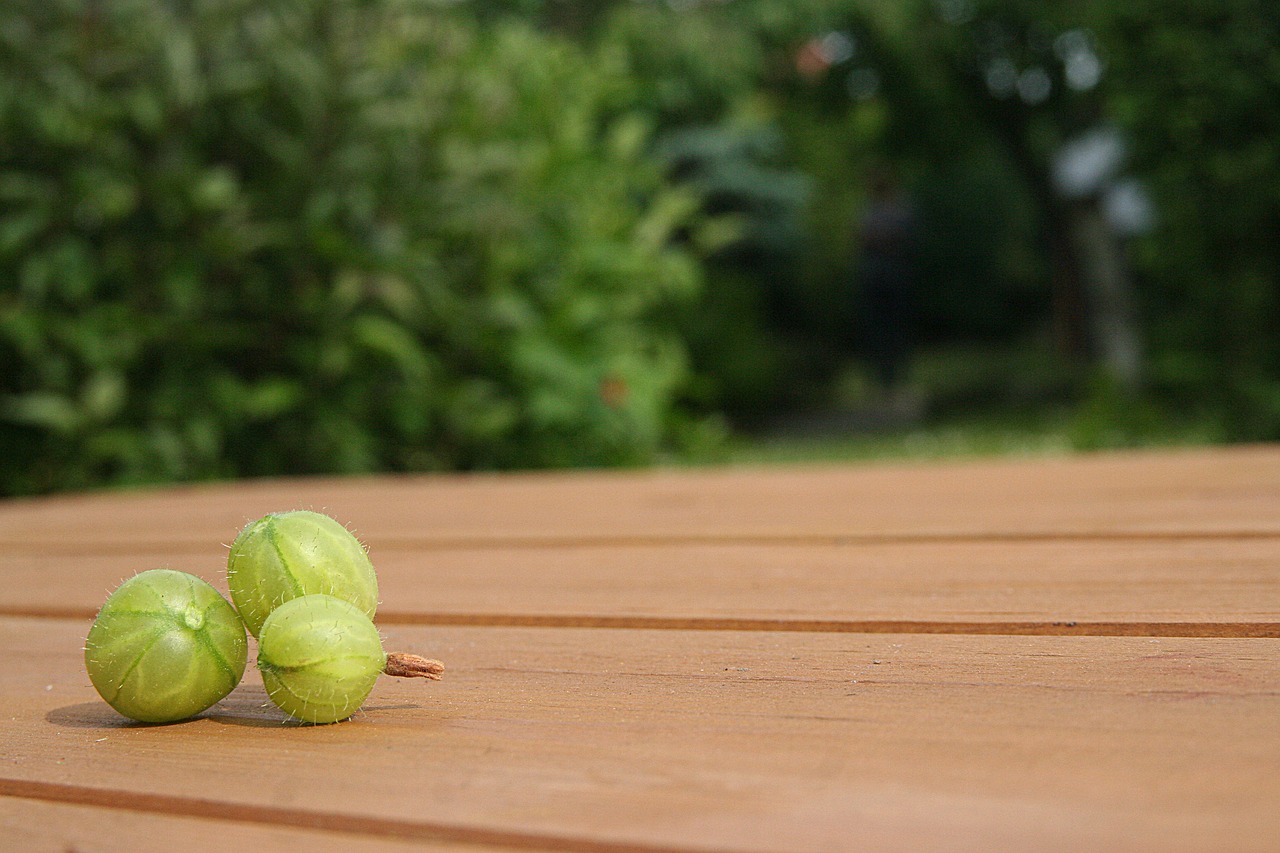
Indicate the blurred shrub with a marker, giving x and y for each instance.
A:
(253, 238)
(699, 71)
(737, 332)
(1199, 91)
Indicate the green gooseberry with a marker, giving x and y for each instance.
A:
(285, 555)
(319, 657)
(165, 646)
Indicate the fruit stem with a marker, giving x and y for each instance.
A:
(404, 665)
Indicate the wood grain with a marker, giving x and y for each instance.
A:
(1221, 492)
(35, 826)
(1050, 654)
(581, 739)
(973, 586)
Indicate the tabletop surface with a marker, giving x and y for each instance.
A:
(1077, 653)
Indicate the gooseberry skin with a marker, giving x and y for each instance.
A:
(285, 555)
(165, 646)
(319, 657)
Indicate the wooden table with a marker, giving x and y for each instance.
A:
(1054, 654)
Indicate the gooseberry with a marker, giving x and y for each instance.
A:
(165, 646)
(319, 657)
(286, 555)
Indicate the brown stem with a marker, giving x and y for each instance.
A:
(404, 665)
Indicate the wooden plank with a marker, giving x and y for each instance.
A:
(33, 825)
(1223, 492)
(975, 585)
(584, 739)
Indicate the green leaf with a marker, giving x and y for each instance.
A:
(47, 410)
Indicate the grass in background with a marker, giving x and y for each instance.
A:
(973, 402)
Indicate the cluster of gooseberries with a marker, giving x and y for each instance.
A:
(166, 645)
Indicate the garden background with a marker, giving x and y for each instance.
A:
(286, 237)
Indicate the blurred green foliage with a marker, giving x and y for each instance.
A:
(973, 101)
(1198, 87)
(256, 237)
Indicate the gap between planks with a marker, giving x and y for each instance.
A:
(1056, 628)
(352, 824)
